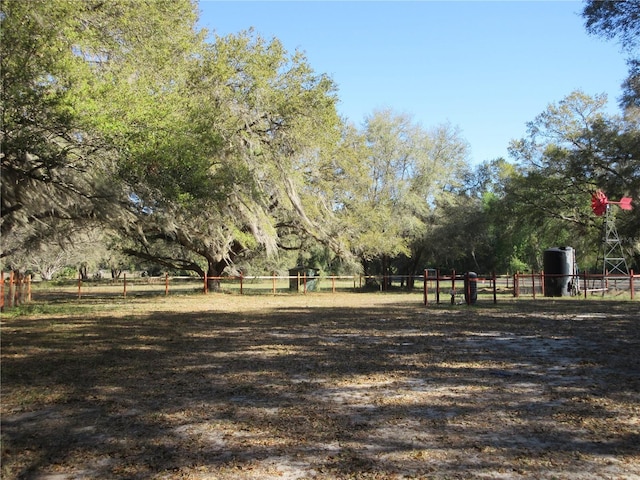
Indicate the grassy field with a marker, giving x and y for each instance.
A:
(322, 386)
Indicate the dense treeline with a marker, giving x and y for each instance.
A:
(124, 146)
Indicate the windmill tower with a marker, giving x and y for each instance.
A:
(613, 260)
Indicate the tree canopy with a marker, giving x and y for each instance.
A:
(125, 124)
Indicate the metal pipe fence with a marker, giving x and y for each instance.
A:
(17, 289)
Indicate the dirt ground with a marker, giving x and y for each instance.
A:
(322, 386)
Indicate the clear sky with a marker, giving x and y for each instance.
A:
(485, 67)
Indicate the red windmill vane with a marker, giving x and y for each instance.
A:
(613, 259)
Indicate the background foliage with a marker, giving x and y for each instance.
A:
(129, 140)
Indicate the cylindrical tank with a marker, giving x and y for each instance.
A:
(558, 271)
(471, 287)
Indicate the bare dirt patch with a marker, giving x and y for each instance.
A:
(365, 386)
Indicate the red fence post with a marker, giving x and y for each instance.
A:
(166, 284)
(438, 287)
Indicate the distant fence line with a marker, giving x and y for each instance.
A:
(17, 289)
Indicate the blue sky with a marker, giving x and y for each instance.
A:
(485, 67)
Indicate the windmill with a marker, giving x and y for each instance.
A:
(613, 261)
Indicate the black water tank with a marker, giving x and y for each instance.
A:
(558, 271)
(471, 288)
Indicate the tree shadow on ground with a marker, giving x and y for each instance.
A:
(330, 391)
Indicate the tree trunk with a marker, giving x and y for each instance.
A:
(213, 273)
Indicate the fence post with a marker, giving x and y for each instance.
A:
(542, 281)
(467, 289)
(29, 288)
(1, 291)
(453, 282)
(205, 288)
(495, 292)
(79, 285)
(533, 284)
(585, 284)
(631, 282)
(166, 284)
(424, 287)
(12, 288)
(241, 284)
(438, 287)
(274, 282)
(124, 286)
(333, 284)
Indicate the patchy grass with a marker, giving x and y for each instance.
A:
(321, 386)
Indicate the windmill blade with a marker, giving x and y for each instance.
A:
(599, 203)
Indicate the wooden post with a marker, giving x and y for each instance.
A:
(585, 284)
(425, 287)
(241, 284)
(205, 288)
(124, 286)
(304, 281)
(495, 291)
(1, 291)
(29, 289)
(438, 287)
(13, 287)
(274, 282)
(333, 284)
(453, 282)
(533, 284)
(79, 285)
(542, 281)
(166, 284)
(631, 282)
(515, 284)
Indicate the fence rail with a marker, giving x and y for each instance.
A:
(17, 289)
